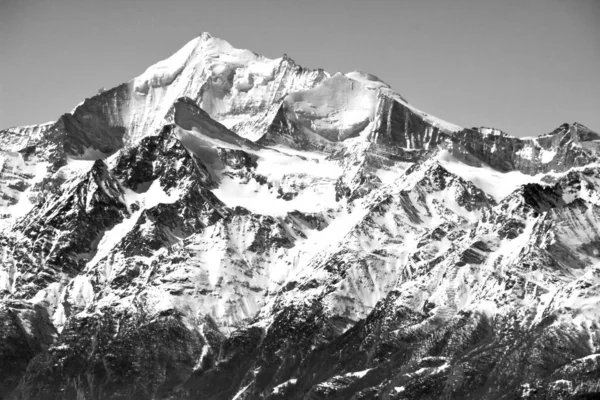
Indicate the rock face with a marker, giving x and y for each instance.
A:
(225, 226)
(566, 147)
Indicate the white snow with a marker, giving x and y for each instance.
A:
(164, 72)
(390, 174)
(490, 131)
(495, 183)
(239, 394)
(259, 199)
(156, 195)
(547, 156)
(359, 374)
(89, 154)
(153, 196)
(82, 291)
(338, 108)
(440, 123)
(112, 237)
(14, 168)
(370, 81)
(527, 152)
(279, 388)
(488, 308)
(312, 176)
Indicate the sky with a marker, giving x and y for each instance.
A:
(523, 66)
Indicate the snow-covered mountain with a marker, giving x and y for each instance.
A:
(226, 226)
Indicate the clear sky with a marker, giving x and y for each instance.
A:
(523, 66)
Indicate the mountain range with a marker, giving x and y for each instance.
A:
(228, 226)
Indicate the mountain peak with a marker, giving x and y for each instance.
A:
(366, 78)
(575, 131)
(205, 36)
(581, 127)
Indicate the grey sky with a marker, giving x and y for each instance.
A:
(524, 66)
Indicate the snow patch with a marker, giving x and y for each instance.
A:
(153, 196)
(82, 291)
(359, 374)
(279, 388)
(112, 237)
(495, 183)
(164, 72)
(547, 156)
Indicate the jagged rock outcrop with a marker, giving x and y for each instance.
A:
(570, 145)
